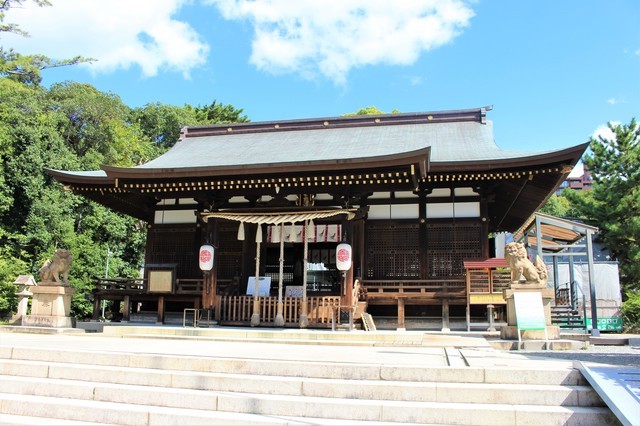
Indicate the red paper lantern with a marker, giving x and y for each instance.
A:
(343, 257)
(206, 257)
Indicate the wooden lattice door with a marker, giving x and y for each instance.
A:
(393, 250)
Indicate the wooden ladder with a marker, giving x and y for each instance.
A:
(367, 321)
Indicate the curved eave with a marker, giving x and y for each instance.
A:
(569, 155)
(79, 177)
(420, 157)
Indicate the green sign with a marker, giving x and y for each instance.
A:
(607, 324)
(529, 310)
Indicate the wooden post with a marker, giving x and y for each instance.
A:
(422, 236)
(401, 325)
(210, 278)
(126, 310)
(255, 315)
(279, 320)
(160, 310)
(484, 232)
(96, 309)
(304, 318)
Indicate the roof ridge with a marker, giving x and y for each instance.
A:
(465, 115)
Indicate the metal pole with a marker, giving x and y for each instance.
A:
(106, 275)
(594, 312)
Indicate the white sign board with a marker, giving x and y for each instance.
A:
(529, 311)
(264, 286)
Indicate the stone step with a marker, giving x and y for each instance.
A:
(233, 408)
(85, 383)
(61, 360)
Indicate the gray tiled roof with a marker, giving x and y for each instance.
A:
(457, 141)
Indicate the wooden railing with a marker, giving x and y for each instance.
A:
(121, 284)
(189, 286)
(238, 309)
(431, 287)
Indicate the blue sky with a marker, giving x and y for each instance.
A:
(555, 71)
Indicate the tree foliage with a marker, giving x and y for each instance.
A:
(73, 126)
(162, 123)
(613, 205)
(370, 110)
(615, 202)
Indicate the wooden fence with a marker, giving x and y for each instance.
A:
(238, 309)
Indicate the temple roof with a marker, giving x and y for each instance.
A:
(389, 152)
(457, 140)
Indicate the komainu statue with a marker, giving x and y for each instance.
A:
(521, 266)
(52, 270)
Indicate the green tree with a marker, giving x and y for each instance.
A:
(370, 110)
(70, 127)
(162, 123)
(615, 205)
(565, 204)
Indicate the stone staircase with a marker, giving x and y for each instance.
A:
(567, 318)
(61, 386)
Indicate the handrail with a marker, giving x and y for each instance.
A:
(115, 284)
(578, 287)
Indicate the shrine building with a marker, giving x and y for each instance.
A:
(414, 195)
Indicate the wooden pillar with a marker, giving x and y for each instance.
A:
(347, 229)
(248, 257)
(96, 309)
(210, 279)
(126, 309)
(358, 249)
(484, 230)
(279, 320)
(115, 310)
(304, 308)
(422, 236)
(445, 316)
(255, 315)
(401, 325)
(160, 310)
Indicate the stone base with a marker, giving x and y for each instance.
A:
(547, 299)
(51, 299)
(511, 333)
(48, 321)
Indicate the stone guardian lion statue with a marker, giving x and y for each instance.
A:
(521, 266)
(52, 270)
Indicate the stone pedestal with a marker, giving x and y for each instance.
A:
(511, 330)
(50, 306)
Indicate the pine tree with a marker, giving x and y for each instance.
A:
(615, 205)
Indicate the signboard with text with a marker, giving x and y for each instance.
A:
(529, 311)
(607, 324)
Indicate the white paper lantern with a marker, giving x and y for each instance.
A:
(206, 257)
(343, 257)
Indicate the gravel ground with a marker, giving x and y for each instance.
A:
(603, 354)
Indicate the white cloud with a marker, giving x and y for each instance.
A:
(118, 33)
(577, 171)
(329, 38)
(612, 101)
(605, 132)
